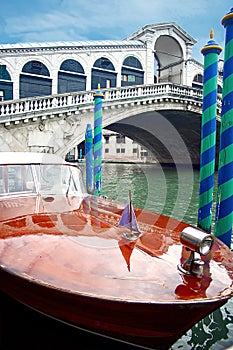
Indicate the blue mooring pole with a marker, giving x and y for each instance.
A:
(89, 158)
(98, 97)
(224, 202)
(210, 52)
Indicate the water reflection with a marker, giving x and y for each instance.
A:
(172, 192)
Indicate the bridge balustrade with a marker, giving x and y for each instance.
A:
(85, 98)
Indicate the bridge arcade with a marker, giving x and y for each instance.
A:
(156, 53)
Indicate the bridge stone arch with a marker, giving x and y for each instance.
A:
(170, 130)
(165, 133)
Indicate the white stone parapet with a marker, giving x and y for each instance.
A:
(37, 107)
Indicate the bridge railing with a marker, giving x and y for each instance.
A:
(74, 99)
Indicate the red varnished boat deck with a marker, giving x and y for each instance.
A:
(67, 258)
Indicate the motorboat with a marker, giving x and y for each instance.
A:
(105, 267)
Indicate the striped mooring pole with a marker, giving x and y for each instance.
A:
(208, 133)
(89, 158)
(98, 97)
(224, 202)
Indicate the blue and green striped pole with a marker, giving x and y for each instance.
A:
(208, 133)
(89, 158)
(224, 205)
(98, 97)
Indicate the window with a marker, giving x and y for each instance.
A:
(104, 63)
(198, 81)
(132, 62)
(144, 154)
(198, 78)
(128, 78)
(106, 139)
(120, 139)
(16, 178)
(131, 78)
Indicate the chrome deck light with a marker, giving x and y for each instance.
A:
(195, 241)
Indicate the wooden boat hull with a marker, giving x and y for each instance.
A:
(65, 254)
(158, 326)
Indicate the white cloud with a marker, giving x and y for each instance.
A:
(58, 20)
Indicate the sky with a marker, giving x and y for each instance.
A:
(24, 21)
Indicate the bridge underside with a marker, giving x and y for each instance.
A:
(173, 136)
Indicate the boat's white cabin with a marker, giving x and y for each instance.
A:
(28, 173)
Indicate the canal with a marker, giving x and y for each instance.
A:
(174, 192)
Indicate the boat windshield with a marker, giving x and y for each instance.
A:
(59, 179)
(40, 178)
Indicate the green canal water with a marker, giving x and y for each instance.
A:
(174, 192)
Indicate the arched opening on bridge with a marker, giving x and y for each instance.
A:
(6, 85)
(34, 80)
(198, 81)
(169, 57)
(71, 77)
(132, 72)
(173, 136)
(103, 73)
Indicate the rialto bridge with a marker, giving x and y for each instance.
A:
(151, 84)
(164, 118)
